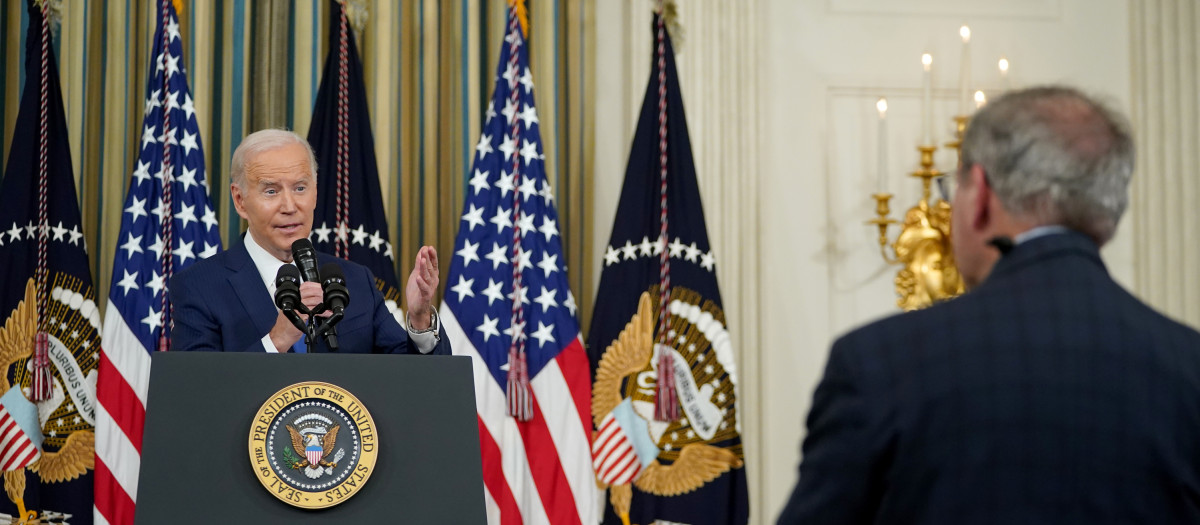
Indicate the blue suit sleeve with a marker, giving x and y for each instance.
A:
(196, 327)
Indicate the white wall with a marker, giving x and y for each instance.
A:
(780, 98)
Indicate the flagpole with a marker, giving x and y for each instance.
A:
(666, 403)
(41, 361)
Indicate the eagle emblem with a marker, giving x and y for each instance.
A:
(313, 449)
(686, 454)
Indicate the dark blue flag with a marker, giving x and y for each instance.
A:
(690, 469)
(349, 221)
(40, 228)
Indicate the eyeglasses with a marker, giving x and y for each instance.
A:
(946, 185)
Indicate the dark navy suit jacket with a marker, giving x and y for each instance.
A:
(221, 304)
(1048, 395)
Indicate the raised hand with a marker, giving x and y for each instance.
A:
(422, 283)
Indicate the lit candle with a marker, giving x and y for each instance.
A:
(980, 99)
(964, 82)
(1004, 73)
(927, 101)
(881, 105)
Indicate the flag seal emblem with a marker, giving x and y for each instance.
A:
(688, 453)
(313, 445)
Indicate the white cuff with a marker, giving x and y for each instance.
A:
(425, 339)
(268, 345)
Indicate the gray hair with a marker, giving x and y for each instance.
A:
(262, 141)
(1055, 156)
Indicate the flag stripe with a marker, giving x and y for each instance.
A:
(619, 454)
(133, 367)
(571, 439)
(112, 506)
(491, 406)
(493, 478)
(22, 455)
(628, 468)
(547, 469)
(122, 458)
(118, 398)
(574, 358)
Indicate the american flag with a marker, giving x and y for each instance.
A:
(535, 470)
(167, 224)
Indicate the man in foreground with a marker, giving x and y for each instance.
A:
(225, 302)
(1046, 393)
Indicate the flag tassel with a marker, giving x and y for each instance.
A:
(666, 399)
(520, 402)
(41, 368)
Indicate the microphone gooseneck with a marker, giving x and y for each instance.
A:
(337, 297)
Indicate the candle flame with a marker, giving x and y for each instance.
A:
(881, 105)
(965, 32)
(1003, 65)
(927, 59)
(980, 99)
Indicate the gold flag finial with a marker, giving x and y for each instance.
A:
(357, 14)
(522, 15)
(54, 13)
(670, 14)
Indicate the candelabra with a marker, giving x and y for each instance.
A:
(923, 244)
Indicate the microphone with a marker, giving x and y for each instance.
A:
(305, 258)
(287, 295)
(337, 297)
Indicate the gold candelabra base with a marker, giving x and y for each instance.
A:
(923, 245)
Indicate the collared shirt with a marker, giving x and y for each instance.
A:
(268, 267)
(1039, 231)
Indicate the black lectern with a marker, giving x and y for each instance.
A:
(201, 409)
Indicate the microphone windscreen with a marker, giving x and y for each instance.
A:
(287, 287)
(333, 282)
(305, 257)
(287, 272)
(332, 270)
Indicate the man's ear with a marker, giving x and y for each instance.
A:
(235, 192)
(982, 197)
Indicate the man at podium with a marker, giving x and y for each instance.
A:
(225, 303)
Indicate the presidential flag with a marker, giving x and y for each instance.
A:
(50, 338)
(659, 343)
(349, 221)
(167, 223)
(508, 306)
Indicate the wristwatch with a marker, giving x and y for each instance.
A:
(433, 323)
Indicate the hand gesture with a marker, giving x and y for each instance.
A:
(422, 283)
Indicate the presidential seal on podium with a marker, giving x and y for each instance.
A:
(313, 445)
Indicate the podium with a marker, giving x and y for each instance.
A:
(196, 465)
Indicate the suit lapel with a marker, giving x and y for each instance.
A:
(248, 286)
